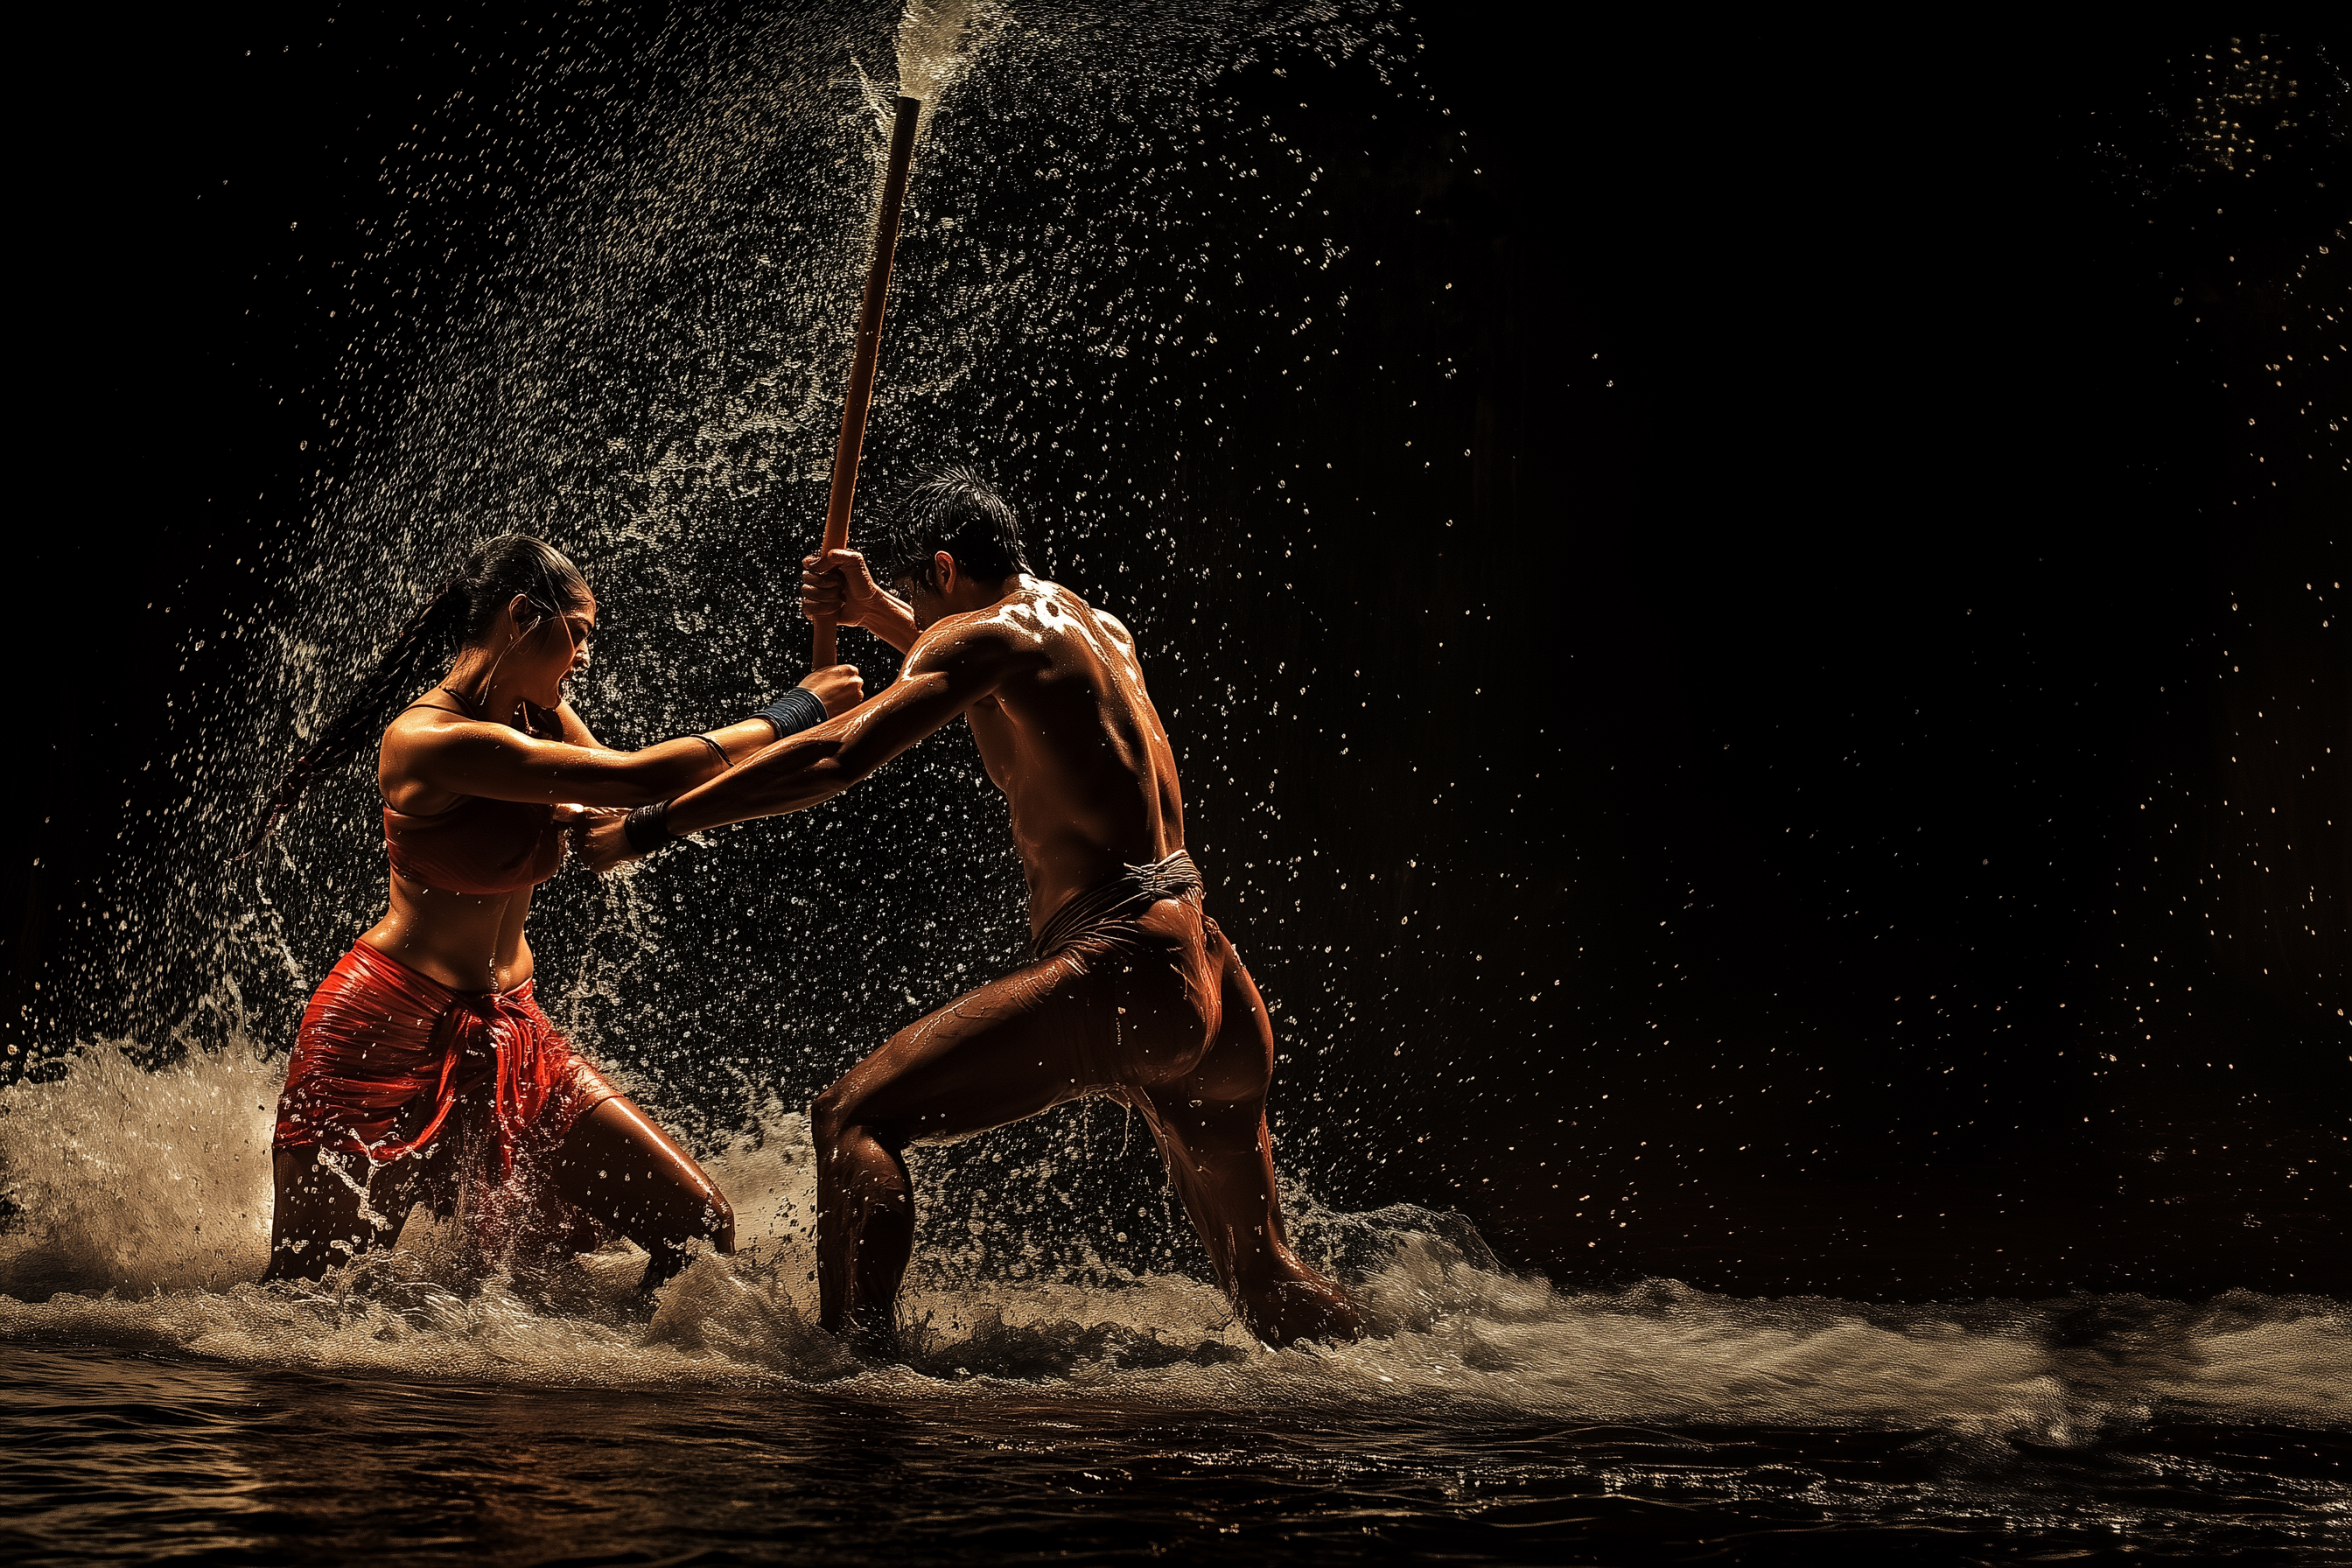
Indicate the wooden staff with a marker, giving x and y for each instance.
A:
(869, 348)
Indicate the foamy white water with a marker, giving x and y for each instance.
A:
(939, 41)
(144, 1200)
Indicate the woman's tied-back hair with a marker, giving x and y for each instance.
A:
(455, 615)
(954, 509)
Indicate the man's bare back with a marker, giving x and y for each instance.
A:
(1133, 992)
(1070, 736)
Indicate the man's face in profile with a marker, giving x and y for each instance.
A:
(922, 599)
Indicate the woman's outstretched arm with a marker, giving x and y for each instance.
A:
(468, 756)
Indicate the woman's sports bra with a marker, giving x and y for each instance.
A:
(479, 846)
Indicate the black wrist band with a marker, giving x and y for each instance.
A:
(797, 709)
(647, 828)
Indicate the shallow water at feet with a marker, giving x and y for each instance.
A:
(411, 1407)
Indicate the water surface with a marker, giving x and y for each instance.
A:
(131, 1456)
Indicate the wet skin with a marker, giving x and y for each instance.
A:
(1167, 1021)
(467, 738)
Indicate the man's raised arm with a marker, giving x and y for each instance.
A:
(944, 675)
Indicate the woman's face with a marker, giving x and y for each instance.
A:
(553, 652)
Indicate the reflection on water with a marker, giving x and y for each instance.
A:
(162, 1402)
(114, 1458)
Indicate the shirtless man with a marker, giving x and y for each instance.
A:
(1133, 992)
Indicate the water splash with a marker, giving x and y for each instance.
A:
(643, 365)
(939, 42)
(143, 1196)
(133, 1180)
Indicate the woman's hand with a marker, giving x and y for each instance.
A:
(602, 839)
(576, 821)
(838, 686)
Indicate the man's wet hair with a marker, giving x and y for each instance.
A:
(954, 509)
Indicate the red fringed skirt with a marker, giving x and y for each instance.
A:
(387, 1059)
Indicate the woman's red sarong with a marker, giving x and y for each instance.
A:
(384, 1056)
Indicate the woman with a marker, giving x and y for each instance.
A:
(424, 1070)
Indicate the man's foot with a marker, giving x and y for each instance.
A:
(1307, 1308)
(874, 1337)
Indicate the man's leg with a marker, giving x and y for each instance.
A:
(1211, 1127)
(1006, 1051)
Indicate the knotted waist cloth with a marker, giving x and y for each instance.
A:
(385, 1056)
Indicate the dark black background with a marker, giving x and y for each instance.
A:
(1856, 783)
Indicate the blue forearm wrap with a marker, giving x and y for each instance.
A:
(797, 709)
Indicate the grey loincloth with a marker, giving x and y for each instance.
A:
(1107, 909)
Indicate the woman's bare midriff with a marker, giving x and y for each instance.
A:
(466, 941)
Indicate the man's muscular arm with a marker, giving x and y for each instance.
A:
(955, 667)
(945, 675)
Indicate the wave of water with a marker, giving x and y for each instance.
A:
(140, 1207)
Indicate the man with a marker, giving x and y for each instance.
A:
(1133, 992)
